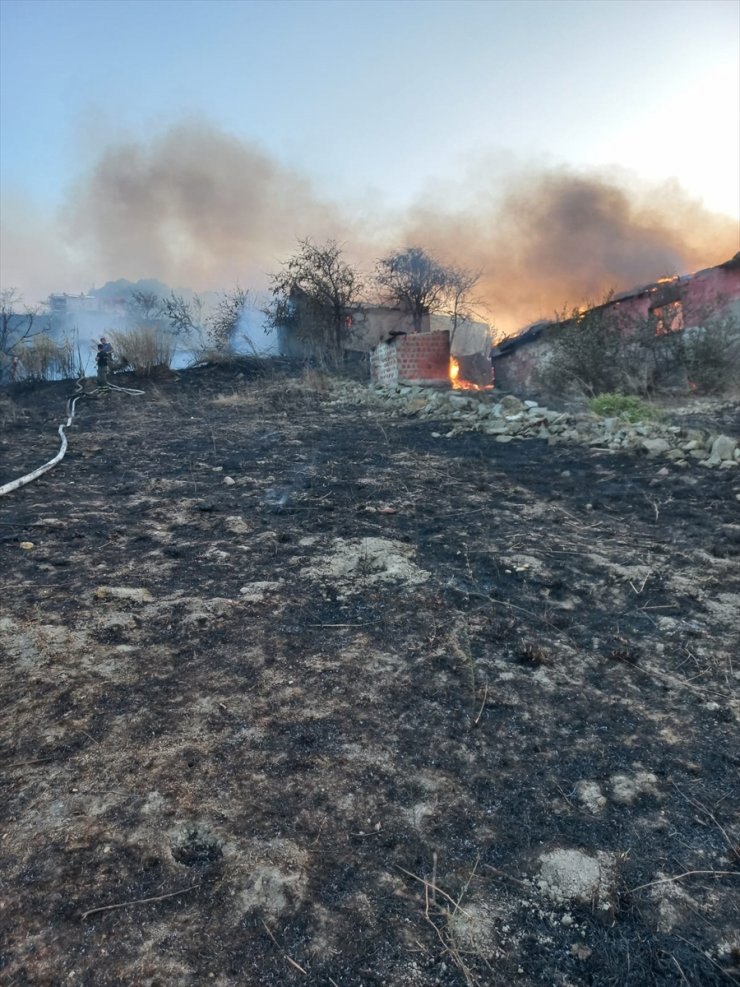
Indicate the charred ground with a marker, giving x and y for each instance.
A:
(331, 689)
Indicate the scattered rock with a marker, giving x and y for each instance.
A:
(134, 594)
(572, 875)
(626, 788)
(510, 417)
(359, 562)
(510, 405)
(654, 447)
(589, 794)
(581, 951)
(723, 450)
(257, 591)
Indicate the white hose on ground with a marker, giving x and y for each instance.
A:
(23, 480)
(125, 390)
(29, 477)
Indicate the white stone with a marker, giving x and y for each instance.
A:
(723, 449)
(571, 875)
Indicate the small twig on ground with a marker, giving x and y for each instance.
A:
(513, 606)
(434, 877)
(682, 974)
(564, 796)
(365, 624)
(433, 636)
(679, 877)
(476, 721)
(292, 962)
(464, 891)
(679, 682)
(734, 850)
(434, 889)
(644, 582)
(727, 973)
(507, 876)
(35, 760)
(473, 510)
(318, 835)
(446, 940)
(137, 901)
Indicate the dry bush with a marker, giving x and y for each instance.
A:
(233, 400)
(43, 359)
(290, 396)
(711, 355)
(8, 411)
(597, 352)
(213, 357)
(143, 349)
(315, 380)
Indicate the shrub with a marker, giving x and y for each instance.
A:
(600, 351)
(143, 349)
(625, 406)
(587, 352)
(711, 355)
(43, 359)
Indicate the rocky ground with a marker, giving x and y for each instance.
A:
(308, 684)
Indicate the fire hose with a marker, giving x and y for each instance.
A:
(71, 402)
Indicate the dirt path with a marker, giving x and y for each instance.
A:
(319, 698)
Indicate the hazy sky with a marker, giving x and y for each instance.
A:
(371, 106)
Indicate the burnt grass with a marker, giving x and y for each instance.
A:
(298, 692)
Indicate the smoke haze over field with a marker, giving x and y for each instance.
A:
(196, 207)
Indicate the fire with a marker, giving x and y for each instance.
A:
(464, 385)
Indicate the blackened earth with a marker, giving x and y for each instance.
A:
(297, 692)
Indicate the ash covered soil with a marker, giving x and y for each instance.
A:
(298, 692)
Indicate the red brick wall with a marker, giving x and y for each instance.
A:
(416, 357)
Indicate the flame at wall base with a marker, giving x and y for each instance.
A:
(459, 384)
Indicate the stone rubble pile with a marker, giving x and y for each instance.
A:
(507, 418)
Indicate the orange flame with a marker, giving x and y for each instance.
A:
(464, 385)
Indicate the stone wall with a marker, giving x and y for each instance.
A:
(509, 419)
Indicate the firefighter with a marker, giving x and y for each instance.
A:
(102, 358)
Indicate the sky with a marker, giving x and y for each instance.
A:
(198, 141)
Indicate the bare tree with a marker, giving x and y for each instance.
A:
(313, 292)
(459, 299)
(183, 317)
(145, 307)
(16, 327)
(216, 327)
(415, 280)
(221, 326)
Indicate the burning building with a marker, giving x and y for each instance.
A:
(683, 302)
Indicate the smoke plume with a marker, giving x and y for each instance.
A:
(198, 208)
(195, 207)
(550, 239)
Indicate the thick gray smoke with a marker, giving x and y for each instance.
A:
(199, 208)
(195, 207)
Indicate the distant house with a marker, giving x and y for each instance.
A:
(366, 326)
(681, 302)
